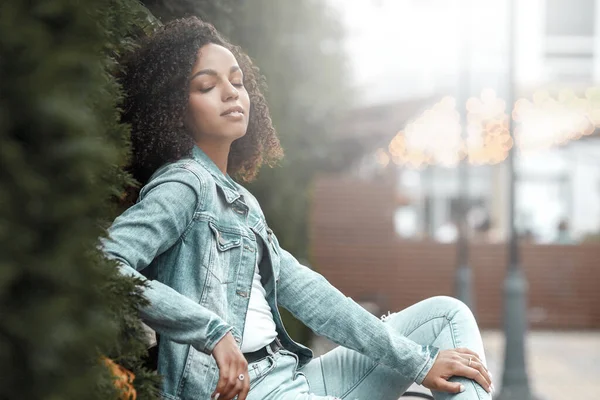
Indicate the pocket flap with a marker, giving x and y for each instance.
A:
(225, 240)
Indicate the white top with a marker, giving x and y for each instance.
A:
(259, 329)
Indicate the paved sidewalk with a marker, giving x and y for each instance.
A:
(562, 365)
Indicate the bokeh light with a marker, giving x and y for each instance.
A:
(382, 157)
(488, 139)
(434, 138)
(546, 122)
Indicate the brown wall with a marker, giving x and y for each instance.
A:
(353, 244)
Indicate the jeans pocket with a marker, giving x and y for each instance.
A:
(296, 372)
(259, 369)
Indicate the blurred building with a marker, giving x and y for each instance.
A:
(558, 50)
(384, 228)
(570, 38)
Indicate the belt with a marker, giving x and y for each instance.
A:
(253, 356)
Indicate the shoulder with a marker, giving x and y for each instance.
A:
(182, 173)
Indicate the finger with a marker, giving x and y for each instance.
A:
(472, 359)
(449, 387)
(246, 388)
(475, 375)
(235, 390)
(484, 372)
(478, 365)
(240, 384)
(240, 389)
(223, 386)
(231, 390)
(236, 386)
(219, 390)
(469, 352)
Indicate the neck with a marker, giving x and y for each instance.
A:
(217, 152)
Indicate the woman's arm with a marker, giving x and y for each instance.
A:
(147, 229)
(328, 312)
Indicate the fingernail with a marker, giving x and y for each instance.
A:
(490, 374)
(217, 396)
(462, 388)
(493, 388)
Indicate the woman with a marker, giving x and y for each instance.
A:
(216, 272)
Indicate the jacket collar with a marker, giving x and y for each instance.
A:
(224, 181)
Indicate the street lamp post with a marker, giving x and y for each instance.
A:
(515, 381)
(463, 278)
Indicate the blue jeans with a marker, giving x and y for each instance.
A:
(442, 321)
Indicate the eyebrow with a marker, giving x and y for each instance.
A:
(213, 72)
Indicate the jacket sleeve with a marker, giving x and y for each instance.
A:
(158, 220)
(329, 313)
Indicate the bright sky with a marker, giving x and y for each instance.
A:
(406, 48)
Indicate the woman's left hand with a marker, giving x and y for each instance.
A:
(457, 362)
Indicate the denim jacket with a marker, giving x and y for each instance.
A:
(192, 236)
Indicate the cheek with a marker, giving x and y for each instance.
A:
(245, 99)
(202, 109)
(246, 103)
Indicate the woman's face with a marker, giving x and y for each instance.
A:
(218, 103)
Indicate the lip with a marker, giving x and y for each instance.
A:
(233, 109)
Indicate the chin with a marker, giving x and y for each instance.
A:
(235, 134)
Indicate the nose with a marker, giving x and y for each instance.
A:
(230, 93)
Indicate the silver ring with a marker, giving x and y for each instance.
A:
(241, 377)
(470, 359)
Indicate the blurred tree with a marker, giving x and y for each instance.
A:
(221, 13)
(63, 306)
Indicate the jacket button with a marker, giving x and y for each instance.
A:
(221, 240)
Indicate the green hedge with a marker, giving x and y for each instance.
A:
(62, 305)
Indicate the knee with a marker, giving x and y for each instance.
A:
(449, 306)
(438, 306)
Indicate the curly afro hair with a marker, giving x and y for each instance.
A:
(156, 84)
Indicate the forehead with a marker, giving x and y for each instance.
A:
(213, 56)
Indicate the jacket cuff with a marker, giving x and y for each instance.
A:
(433, 352)
(215, 337)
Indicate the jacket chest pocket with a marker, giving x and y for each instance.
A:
(225, 253)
